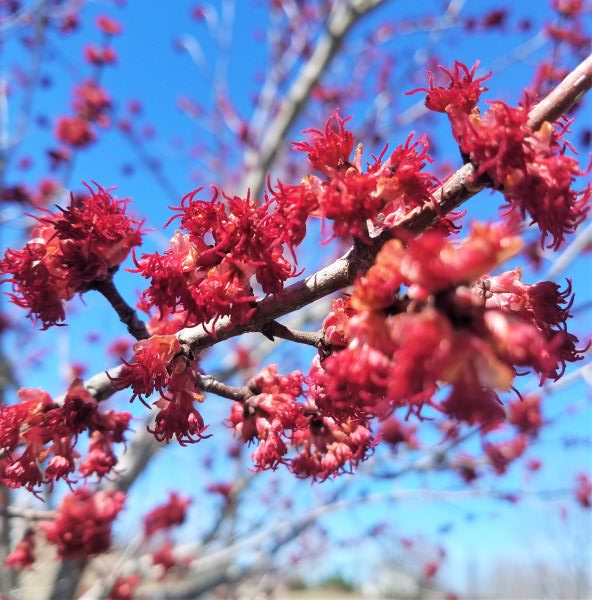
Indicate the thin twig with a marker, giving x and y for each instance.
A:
(239, 394)
(127, 315)
(275, 329)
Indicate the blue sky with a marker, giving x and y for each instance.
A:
(152, 69)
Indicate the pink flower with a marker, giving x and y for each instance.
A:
(269, 414)
(74, 131)
(108, 25)
(167, 515)
(23, 555)
(150, 369)
(82, 526)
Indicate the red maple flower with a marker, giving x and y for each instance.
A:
(206, 280)
(327, 448)
(329, 150)
(108, 25)
(463, 91)
(69, 250)
(100, 459)
(74, 131)
(474, 405)
(335, 323)
(124, 587)
(178, 416)
(150, 369)
(525, 414)
(100, 56)
(91, 102)
(167, 515)
(82, 526)
(431, 263)
(395, 432)
(531, 168)
(584, 490)
(269, 414)
(502, 454)
(23, 555)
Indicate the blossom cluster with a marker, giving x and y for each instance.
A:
(274, 418)
(425, 317)
(91, 103)
(531, 168)
(428, 315)
(159, 365)
(353, 198)
(207, 270)
(82, 526)
(38, 438)
(69, 250)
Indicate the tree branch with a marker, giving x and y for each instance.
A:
(341, 21)
(127, 315)
(275, 329)
(208, 384)
(452, 193)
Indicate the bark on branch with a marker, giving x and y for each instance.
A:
(455, 191)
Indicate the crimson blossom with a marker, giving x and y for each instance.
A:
(70, 251)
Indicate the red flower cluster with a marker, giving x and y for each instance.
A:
(178, 416)
(328, 447)
(462, 93)
(38, 437)
(529, 167)
(205, 280)
(160, 366)
(91, 104)
(166, 515)
(395, 432)
(329, 150)
(584, 490)
(350, 197)
(502, 454)
(451, 326)
(124, 587)
(108, 25)
(23, 555)
(82, 526)
(324, 446)
(269, 414)
(70, 250)
(150, 369)
(74, 131)
(100, 56)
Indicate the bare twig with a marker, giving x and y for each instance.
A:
(275, 329)
(29, 514)
(208, 384)
(341, 21)
(126, 313)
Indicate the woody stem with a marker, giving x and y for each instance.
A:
(127, 315)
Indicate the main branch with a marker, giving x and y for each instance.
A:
(461, 186)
